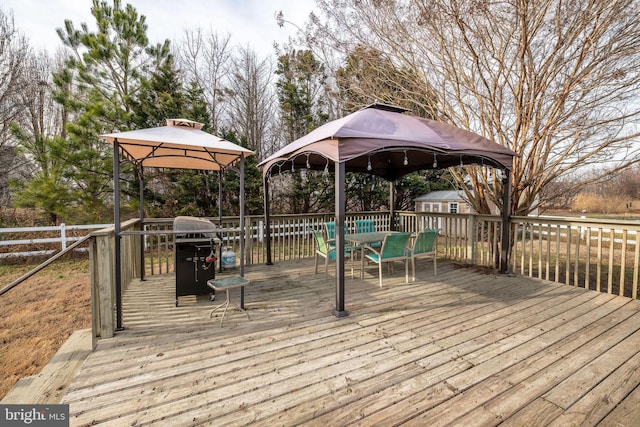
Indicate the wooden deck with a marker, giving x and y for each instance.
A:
(463, 348)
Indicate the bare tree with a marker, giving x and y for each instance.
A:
(14, 50)
(43, 117)
(624, 184)
(252, 100)
(629, 182)
(206, 59)
(39, 133)
(557, 82)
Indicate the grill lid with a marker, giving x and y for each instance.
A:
(193, 227)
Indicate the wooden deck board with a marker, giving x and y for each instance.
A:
(626, 414)
(462, 347)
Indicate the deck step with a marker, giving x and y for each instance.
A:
(50, 385)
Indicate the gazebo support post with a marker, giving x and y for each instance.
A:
(242, 230)
(340, 202)
(392, 205)
(116, 232)
(220, 198)
(505, 246)
(220, 218)
(267, 219)
(141, 185)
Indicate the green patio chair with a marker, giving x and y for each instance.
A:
(367, 226)
(394, 248)
(327, 252)
(330, 228)
(424, 246)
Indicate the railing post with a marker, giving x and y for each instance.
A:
(472, 243)
(248, 239)
(101, 259)
(267, 221)
(63, 236)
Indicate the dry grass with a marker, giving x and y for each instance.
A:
(37, 316)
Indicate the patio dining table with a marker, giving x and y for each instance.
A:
(361, 239)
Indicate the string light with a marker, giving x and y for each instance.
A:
(435, 161)
(406, 161)
(326, 169)
(369, 164)
(308, 165)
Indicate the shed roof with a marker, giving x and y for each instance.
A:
(443, 195)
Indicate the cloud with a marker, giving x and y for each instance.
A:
(250, 22)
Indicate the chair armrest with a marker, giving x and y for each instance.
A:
(366, 246)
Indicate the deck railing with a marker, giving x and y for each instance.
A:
(102, 261)
(290, 237)
(601, 255)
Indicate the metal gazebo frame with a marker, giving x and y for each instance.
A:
(181, 144)
(381, 140)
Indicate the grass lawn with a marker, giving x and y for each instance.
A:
(38, 315)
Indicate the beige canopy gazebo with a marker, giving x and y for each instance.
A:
(381, 140)
(181, 144)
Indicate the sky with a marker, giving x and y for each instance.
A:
(249, 22)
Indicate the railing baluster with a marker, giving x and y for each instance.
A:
(636, 265)
(610, 266)
(540, 251)
(599, 266)
(587, 258)
(567, 260)
(576, 269)
(548, 257)
(623, 262)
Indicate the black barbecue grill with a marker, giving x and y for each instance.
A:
(195, 255)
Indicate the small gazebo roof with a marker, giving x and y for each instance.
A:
(181, 144)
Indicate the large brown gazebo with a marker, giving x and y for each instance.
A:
(382, 140)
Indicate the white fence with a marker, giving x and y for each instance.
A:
(60, 234)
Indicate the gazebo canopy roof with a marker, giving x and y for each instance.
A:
(181, 144)
(383, 141)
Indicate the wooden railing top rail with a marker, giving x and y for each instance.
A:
(575, 221)
(542, 219)
(306, 215)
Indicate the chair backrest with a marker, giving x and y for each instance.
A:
(322, 245)
(331, 229)
(425, 241)
(394, 245)
(365, 226)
